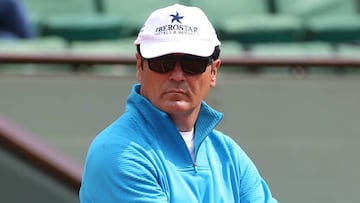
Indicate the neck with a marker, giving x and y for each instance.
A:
(185, 122)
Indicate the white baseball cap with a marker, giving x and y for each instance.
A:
(177, 29)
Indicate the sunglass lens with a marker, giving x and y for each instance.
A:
(167, 65)
(161, 64)
(194, 65)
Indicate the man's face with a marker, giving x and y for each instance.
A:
(176, 92)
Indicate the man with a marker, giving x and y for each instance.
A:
(164, 148)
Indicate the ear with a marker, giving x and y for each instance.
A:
(139, 67)
(214, 71)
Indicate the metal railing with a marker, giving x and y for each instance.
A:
(35, 152)
(242, 60)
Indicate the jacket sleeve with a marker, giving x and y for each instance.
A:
(253, 187)
(121, 174)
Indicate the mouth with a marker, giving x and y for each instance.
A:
(177, 94)
(176, 91)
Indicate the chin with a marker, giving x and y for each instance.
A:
(176, 106)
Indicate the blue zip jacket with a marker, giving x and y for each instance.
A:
(141, 157)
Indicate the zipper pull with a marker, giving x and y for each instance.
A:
(195, 167)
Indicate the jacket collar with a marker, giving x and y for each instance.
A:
(207, 120)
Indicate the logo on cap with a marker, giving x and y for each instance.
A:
(176, 18)
(176, 28)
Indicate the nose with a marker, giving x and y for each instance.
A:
(177, 73)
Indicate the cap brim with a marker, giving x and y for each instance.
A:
(155, 49)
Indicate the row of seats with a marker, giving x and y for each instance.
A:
(246, 21)
(125, 46)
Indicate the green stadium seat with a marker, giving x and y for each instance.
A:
(49, 8)
(249, 21)
(325, 20)
(90, 27)
(43, 45)
(73, 20)
(123, 47)
(42, 9)
(310, 8)
(299, 50)
(227, 9)
(262, 28)
(133, 13)
(46, 45)
(334, 29)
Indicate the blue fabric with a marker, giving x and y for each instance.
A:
(14, 20)
(141, 157)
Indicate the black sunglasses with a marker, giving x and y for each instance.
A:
(190, 64)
